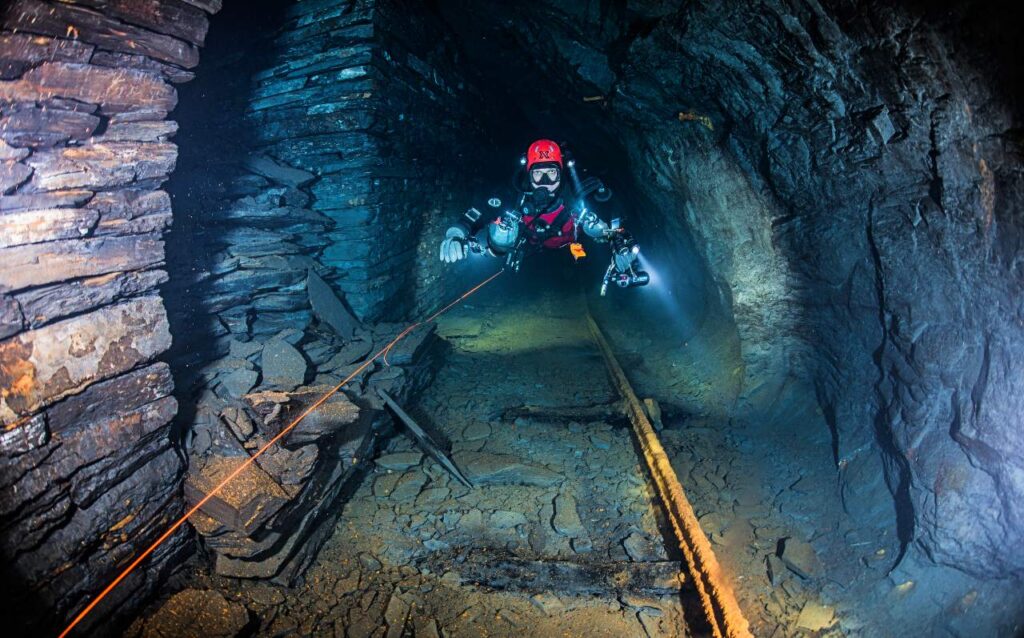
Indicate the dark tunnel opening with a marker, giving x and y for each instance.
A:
(827, 197)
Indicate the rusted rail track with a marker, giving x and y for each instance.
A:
(717, 598)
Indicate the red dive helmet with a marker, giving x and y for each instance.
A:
(543, 152)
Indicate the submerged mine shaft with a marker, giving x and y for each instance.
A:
(564, 318)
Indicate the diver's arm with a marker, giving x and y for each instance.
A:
(462, 237)
(479, 234)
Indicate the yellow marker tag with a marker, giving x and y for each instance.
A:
(577, 250)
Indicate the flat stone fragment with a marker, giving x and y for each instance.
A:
(244, 503)
(43, 127)
(432, 496)
(476, 431)
(274, 170)
(96, 28)
(244, 349)
(801, 558)
(502, 469)
(815, 616)
(385, 485)
(11, 318)
(548, 603)
(56, 261)
(12, 174)
(426, 628)
(329, 308)
(567, 520)
(639, 547)
(506, 519)
(239, 382)
(20, 51)
(33, 201)
(409, 485)
(775, 569)
(395, 615)
(283, 365)
(101, 164)
(46, 304)
(399, 460)
(196, 612)
(8, 152)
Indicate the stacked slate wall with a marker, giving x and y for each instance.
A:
(309, 177)
(88, 473)
(362, 95)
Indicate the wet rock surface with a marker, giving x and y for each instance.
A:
(844, 176)
(416, 552)
(89, 473)
(271, 519)
(798, 562)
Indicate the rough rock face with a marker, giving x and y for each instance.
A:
(296, 226)
(271, 520)
(346, 90)
(850, 173)
(319, 168)
(89, 474)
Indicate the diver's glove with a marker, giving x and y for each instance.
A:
(455, 245)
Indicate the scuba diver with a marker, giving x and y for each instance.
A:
(542, 220)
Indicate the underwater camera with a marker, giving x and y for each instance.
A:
(624, 270)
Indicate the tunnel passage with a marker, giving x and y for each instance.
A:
(830, 192)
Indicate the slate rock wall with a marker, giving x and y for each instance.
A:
(300, 195)
(351, 96)
(850, 172)
(89, 475)
(897, 250)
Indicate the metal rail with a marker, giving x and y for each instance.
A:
(717, 598)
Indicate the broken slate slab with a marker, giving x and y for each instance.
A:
(476, 430)
(409, 485)
(353, 352)
(800, 558)
(432, 496)
(283, 365)
(399, 460)
(503, 469)
(507, 519)
(385, 485)
(277, 171)
(639, 548)
(395, 615)
(197, 612)
(243, 504)
(290, 335)
(329, 308)
(566, 520)
(239, 382)
(815, 616)
(775, 569)
(244, 349)
(548, 603)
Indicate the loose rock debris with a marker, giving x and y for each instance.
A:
(558, 537)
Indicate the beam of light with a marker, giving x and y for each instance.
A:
(249, 461)
(657, 281)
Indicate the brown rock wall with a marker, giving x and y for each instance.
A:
(88, 470)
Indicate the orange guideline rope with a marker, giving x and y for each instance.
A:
(195, 508)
